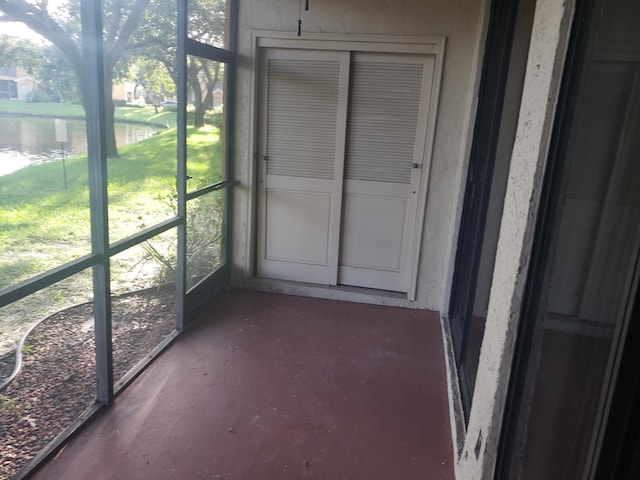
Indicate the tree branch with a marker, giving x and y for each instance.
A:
(37, 18)
(128, 28)
(115, 23)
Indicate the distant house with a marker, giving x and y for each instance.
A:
(218, 97)
(16, 84)
(124, 91)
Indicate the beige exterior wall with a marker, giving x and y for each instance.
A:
(462, 24)
(123, 91)
(26, 87)
(25, 84)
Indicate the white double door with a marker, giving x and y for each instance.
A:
(342, 138)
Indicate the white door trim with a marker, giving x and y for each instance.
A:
(434, 45)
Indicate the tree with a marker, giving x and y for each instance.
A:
(42, 61)
(203, 77)
(55, 77)
(130, 28)
(207, 25)
(151, 75)
(121, 20)
(19, 53)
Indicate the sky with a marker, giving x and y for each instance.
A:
(17, 29)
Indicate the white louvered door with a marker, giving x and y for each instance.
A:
(343, 139)
(386, 129)
(304, 101)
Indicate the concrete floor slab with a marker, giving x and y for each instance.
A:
(269, 386)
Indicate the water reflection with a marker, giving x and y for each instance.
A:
(29, 140)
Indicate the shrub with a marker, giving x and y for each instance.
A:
(40, 96)
(204, 242)
(216, 117)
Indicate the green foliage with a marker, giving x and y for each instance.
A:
(217, 116)
(45, 63)
(19, 52)
(40, 97)
(27, 349)
(204, 242)
(68, 110)
(151, 77)
(40, 215)
(56, 76)
(119, 103)
(7, 402)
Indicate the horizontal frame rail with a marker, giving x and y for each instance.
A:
(46, 279)
(211, 188)
(137, 238)
(199, 49)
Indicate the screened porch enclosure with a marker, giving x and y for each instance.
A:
(399, 242)
(101, 272)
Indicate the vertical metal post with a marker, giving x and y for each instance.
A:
(181, 177)
(94, 101)
(64, 166)
(230, 109)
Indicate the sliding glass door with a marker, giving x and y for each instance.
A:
(585, 276)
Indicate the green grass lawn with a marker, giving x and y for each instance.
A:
(43, 224)
(68, 110)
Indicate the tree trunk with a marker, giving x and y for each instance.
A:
(109, 121)
(198, 116)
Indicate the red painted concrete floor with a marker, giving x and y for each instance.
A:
(270, 386)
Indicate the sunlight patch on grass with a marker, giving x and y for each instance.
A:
(43, 225)
(68, 110)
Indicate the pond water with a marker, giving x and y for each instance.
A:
(30, 140)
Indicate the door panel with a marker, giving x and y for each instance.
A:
(307, 239)
(373, 236)
(303, 119)
(387, 125)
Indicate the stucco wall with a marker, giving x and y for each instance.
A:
(460, 22)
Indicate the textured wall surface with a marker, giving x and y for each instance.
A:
(461, 22)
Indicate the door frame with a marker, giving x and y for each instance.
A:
(495, 69)
(190, 301)
(427, 45)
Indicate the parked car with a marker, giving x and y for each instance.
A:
(169, 103)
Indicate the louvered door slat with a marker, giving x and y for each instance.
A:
(383, 118)
(302, 114)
